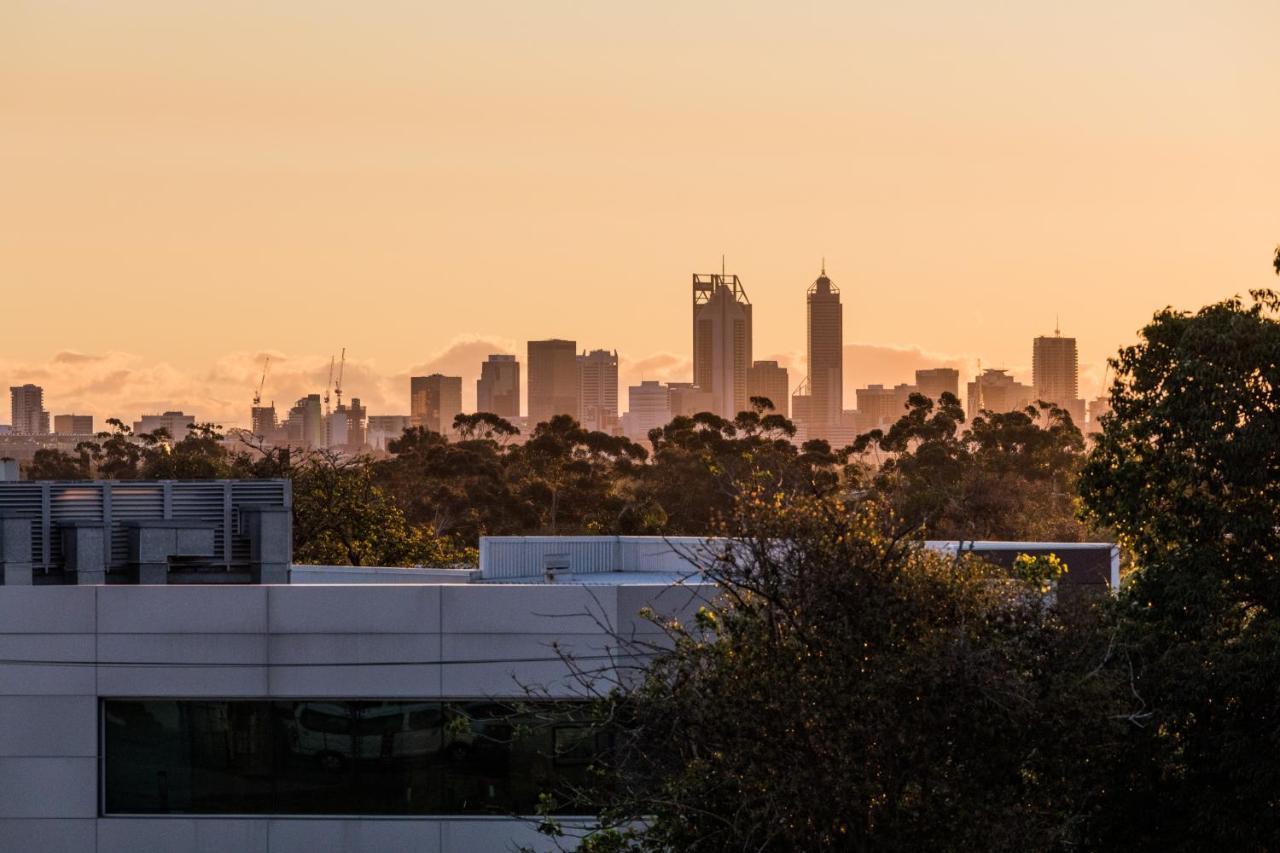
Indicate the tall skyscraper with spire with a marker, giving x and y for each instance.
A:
(1055, 372)
(825, 355)
(721, 341)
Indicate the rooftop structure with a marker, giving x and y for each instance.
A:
(721, 341)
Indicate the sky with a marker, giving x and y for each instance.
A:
(186, 188)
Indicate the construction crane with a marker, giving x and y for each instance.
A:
(257, 395)
(328, 384)
(337, 386)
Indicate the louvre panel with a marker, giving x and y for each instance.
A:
(132, 502)
(196, 501)
(24, 501)
(248, 493)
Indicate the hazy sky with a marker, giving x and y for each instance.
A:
(184, 186)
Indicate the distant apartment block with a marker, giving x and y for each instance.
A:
(1055, 369)
(825, 351)
(648, 407)
(994, 390)
(305, 426)
(382, 429)
(936, 381)
(175, 423)
(26, 407)
(434, 401)
(880, 407)
(768, 379)
(553, 380)
(721, 341)
(73, 424)
(498, 388)
(598, 390)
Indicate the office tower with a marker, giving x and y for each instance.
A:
(721, 341)
(26, 406)
(263, 421)
(1055, 371)
(553, 380)
(498, 388)
(825, 354)
(383, 429)
(935, 382)
(434, 401)
(687, 399)
(345, 426)
(880, 407)
(767, 379)
(175, 423)
(305, 426)
(648, 407)
(73, 424)
(995, 391)
(598, 390)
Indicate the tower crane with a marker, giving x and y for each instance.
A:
(337, 386)
(257, 395)
(328, 384)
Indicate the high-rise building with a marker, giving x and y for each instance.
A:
(345, 426)
(73, 424)
(598, 390)
(383, 429)
(825, 355)
(26, 406)
(996, 391)
(553, 380)
(498, 388)
(176, 424)
(305, 426)
(1055, 372)
(880, 407)
(687, 399)
(721, 341)
(434, 401)
(648, 407)
(768, 379)
(936, 381)
(263, 422)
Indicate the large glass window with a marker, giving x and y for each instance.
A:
(341, 757)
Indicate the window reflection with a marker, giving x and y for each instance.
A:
(340, 757)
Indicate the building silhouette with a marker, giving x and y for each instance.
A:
(383, 429)
(721, 341)
(498, 388)
(26, 408)
(648, 407)
(598, 390)
(305, 426)
(687, 399)
(880, 407)
(994, 390)
(345, 425)
(936, 381)
(434, 401)
(73, 424)
(553, 380)
(264, 423)
(176, 424)
(768, 379)
(1055, 371)
(825, 334)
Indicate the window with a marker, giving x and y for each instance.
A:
(340, 757)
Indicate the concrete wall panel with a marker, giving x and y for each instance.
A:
(48, 726)
(48, 787)
(182, 610)
(56, 835)
(354, 609)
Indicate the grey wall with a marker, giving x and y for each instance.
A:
(450, 639)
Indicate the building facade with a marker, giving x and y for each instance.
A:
(769, 379)
(648, 407)
(73, 424)
(176, 424)
(994, 390)
(305, 426)
(936, 381)
(1055, 371)
(553, 380)
(26, 408)
(598, 390)
(825, 335)
(434, 401)
(498, 388)
(721, 341)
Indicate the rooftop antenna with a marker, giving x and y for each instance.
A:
(337, 386)
(327, 385)
(981, 404)
(722, 265)
(824, 265)
(257, 395)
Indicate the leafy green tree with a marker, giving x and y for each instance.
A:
(1187, 471)
(118, 454)
(50, 464)
(851, 691)
(200, 455)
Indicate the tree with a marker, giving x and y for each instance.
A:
(1187, 471)
(50, 464)
(847, 690)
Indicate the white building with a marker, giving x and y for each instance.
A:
(648, 407)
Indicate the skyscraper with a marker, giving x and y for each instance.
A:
(648, 407)
(434, 401)
(1055, 372)
(73, 424)
(935, 382)
(598, 390)
(768, 379)
(305, 426)
(994, 390)
(26, 406)
(721, 341)
(498, 388)
(825, 354)
(553, 380)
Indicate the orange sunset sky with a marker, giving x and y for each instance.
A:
(185, 187)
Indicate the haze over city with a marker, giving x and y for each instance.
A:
(199, 187)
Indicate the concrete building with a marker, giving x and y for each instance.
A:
(648, 407)
(264, 423)
(305, 426)
(880, 407)
(498, 388)
(73, 424)
(434, 401)
(994, 390)
(768, 379)
(936, 381)
(384, 428)
(26, 407)
(175, 423)
(345, 426)
(825, 361)
(598, 390)
(553, 380)
(1055, 370)
(721, 341)
(688, 399)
